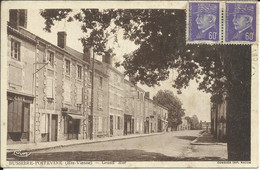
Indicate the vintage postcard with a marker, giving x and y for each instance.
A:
(129, 84)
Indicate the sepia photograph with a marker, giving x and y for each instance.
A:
(133, 84)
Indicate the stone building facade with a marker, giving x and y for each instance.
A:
(116, 101)
(56, 93)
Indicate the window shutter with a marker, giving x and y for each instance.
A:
(79, 95)
(49, 87)
(67, 91)
(26, 117)
(121, 123)
(18, 121)
(10, 115)
(65, 125)
(15, 75)
(100, 124)
(43, 123)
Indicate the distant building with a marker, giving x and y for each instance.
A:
(185, 125)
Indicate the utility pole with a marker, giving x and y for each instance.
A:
(92, 97)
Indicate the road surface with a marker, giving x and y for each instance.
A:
(171, 146)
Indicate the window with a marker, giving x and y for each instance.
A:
(100, 82)
(15, 50)
(78, 107)
(79, 72)
(50, 58)
(67, 63)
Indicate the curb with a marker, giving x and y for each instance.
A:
(87, 142)
(200, 143)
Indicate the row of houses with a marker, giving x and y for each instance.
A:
(56, 93)
(185, 125)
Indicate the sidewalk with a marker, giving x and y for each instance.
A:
(55, 144)
(206, 139)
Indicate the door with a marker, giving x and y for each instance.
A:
(26, 121)
(54, 126)
(111, 125)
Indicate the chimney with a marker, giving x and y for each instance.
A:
(62, 38)
(132, 80)
(18, 17)
(87, 53)
(147, 95)
(107, 58)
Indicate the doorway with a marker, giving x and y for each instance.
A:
(54, 127)
(73, 128)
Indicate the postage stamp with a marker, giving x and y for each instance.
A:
(204, 22)
(240, 23)
(123, 84)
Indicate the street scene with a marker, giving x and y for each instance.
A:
(124, 85)
(172, 146)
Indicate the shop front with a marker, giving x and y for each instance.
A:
(72, 122)
(18, 118)
(128, 124)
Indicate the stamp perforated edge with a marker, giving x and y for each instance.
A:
(188, 20)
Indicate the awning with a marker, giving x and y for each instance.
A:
(73, 116)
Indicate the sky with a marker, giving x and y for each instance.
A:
(194, 101)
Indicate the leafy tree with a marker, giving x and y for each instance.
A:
(194, 122)
(160, 36)
(174, 105)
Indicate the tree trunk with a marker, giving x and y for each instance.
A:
(239, 108)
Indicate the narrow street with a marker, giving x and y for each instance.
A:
(172, 146)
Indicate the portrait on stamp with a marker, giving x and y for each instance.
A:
(203, 22)
(240, 22)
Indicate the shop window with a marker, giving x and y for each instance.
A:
(15, 50)
(18, 116)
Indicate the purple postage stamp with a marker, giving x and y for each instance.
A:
(240, 22)
(203, 22)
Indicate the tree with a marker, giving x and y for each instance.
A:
(194, 122)
(174, 105)
(160, 36)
